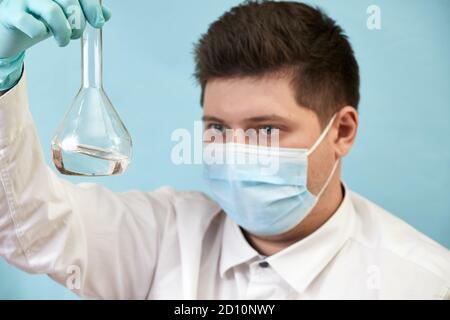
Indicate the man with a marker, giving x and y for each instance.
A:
(296, 233)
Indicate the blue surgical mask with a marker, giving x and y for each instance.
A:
(263, 189)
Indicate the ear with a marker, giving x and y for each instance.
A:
(346, 125)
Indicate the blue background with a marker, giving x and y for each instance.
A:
(401, 159)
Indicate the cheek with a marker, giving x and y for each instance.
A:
(320, 164)
(295, 139)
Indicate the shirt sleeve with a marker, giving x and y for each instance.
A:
(99, 243)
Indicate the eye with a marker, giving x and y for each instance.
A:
(219, 128)
(268, 129)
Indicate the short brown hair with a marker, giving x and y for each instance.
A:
(258, 38)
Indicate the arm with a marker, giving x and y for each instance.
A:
(97, 242)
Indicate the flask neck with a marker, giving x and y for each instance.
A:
(92, 64)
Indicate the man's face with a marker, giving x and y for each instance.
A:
(265, 104)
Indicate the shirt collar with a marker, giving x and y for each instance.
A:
(300, 263)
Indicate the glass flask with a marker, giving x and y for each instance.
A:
(92, 139)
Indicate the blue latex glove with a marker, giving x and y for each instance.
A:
(23, 23)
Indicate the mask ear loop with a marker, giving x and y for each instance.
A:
(322, 136)
(328, 180)
(311, 150)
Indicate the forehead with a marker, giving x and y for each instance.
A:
(249, 96)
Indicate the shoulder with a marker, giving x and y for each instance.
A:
(172, 208)
(189, 206)
(185, 200)
(399, 248)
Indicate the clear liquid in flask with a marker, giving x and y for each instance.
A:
(89, 161)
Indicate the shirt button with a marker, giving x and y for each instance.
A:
(263, 264)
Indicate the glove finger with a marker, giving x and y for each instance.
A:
(93, 12)
(29, 25)
(53, 16)
(74, 14)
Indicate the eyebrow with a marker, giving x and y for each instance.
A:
(211, 118)
(264, 118)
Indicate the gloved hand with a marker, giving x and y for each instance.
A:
(23, 23)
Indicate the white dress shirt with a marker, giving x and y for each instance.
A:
(180, 245)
